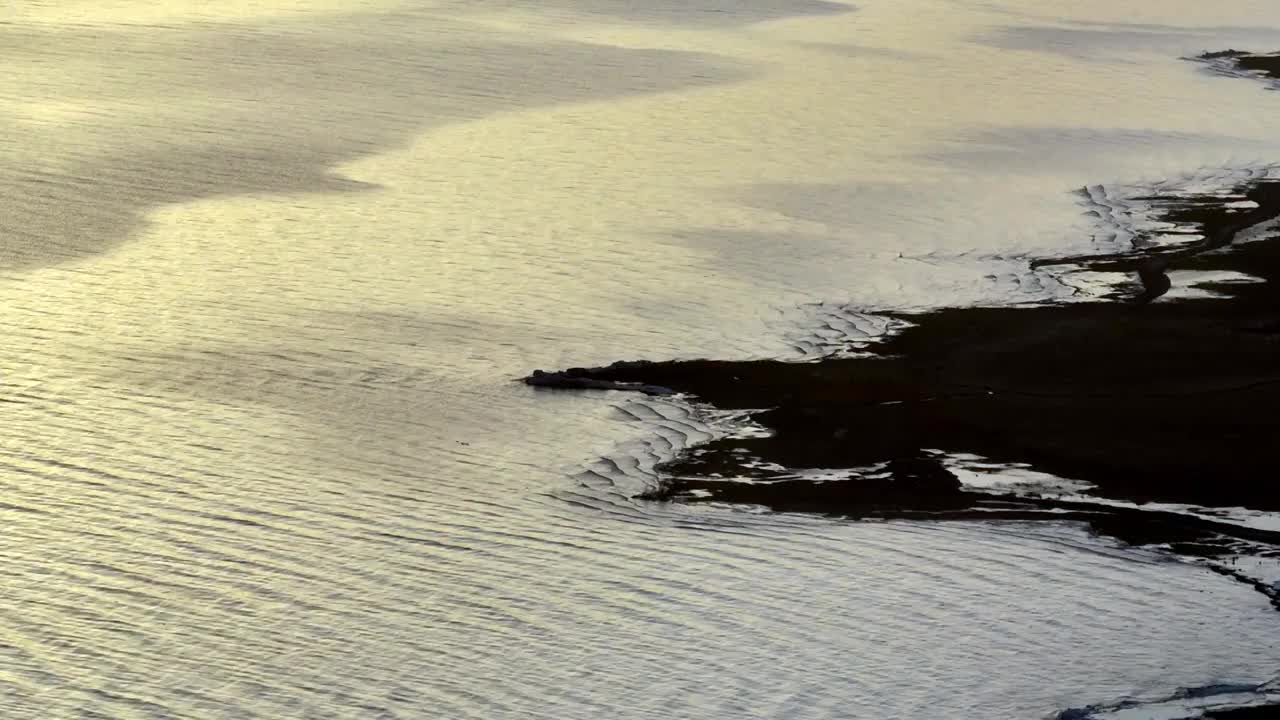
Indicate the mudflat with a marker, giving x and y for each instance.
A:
(1154, 401)
(1146, 399)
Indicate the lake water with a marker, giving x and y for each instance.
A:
(269, 269)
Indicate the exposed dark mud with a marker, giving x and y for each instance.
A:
(1241, 63)
(1146, 398)
(1156, 402)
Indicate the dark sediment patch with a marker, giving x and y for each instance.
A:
(1268, 64)
(1148, 399)
(1167, 401)
(1239, 62)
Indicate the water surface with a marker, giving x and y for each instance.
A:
(268, 270)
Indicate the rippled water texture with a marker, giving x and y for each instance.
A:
(267, 270)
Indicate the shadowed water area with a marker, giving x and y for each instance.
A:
(269, 271)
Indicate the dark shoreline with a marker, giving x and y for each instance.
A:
(1172, 401)
(1146, 398)
(1239, 62)
(1159, 400)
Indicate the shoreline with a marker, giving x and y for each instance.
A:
(1239, 63)
(1142, 399)
(1145, 399)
